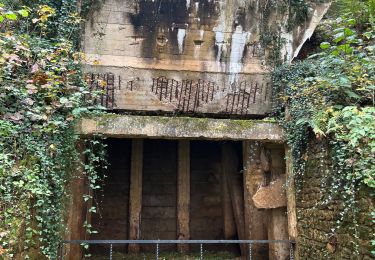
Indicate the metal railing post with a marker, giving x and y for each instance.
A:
(291, 253)
(250, 251)
(60, 253)
(110, 252)
(157, 251)
(201, 252)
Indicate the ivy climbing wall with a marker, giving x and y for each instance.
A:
(318, 209)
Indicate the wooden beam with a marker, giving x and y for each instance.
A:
(230, 169)
(77, 209)
(229, 226)
(253, 178)
(135, 196)
(183, 194)
(291, 199)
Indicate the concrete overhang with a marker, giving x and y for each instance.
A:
(131, 126)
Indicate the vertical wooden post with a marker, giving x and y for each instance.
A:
(229, 167)
(229, 226)
(253, 179)
(77, 209)
(135, 196)
(291, 199)
(183, 194)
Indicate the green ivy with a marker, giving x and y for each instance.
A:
(42, 96)
(331, 95)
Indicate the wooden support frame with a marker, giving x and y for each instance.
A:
(291, 200)
(135, 196)
(230, 170)
(229, 226)
(253, 177)
(183, 194)
(77, 209)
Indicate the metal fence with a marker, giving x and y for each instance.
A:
(157, 244)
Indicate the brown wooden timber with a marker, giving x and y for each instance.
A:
(135, 196)
(291, 199)
(77, 210)
(230, 168)
(253, 179)
(228, 219)
(183, 196)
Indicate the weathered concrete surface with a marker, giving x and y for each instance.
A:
(198, 56)
(180, 128)
(271, 196)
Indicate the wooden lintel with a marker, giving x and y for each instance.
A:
(135, 196)
(183, 194)
(230, 169)
(291, 199)
(252, 180)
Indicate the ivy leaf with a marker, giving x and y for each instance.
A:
(325, 45)
(339, 37)
(352, 22)
(348, 32)
(23, 13)
(11, 16)
(1, 18)
(352, 94)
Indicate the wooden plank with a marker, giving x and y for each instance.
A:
(253, 178)
(291, 199)
(277, 231)
(135, 196)
(228, 219)
(183, 194)
(230, 168)
(77, 210)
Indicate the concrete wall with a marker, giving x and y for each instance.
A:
(315, 222)
(208, 53)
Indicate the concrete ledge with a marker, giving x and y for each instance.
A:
(127, 126)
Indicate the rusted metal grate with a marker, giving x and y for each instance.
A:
(102, 89)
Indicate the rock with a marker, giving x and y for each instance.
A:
(272, 196)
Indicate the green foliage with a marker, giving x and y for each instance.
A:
(42, 95)
(331, 94)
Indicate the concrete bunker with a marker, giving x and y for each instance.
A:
(191, 188)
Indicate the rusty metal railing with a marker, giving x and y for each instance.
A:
(157, 244)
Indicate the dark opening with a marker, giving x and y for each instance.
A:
(159, 196)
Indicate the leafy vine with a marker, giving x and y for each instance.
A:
(331, 95)
(43, 96)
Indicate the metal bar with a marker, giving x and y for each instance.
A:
(61, 251)
(201, 250)
(176, 241)
(110, 252)
(157, 252)
(291, 253)
(250, 251)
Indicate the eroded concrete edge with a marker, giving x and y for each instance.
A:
(127, 126)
